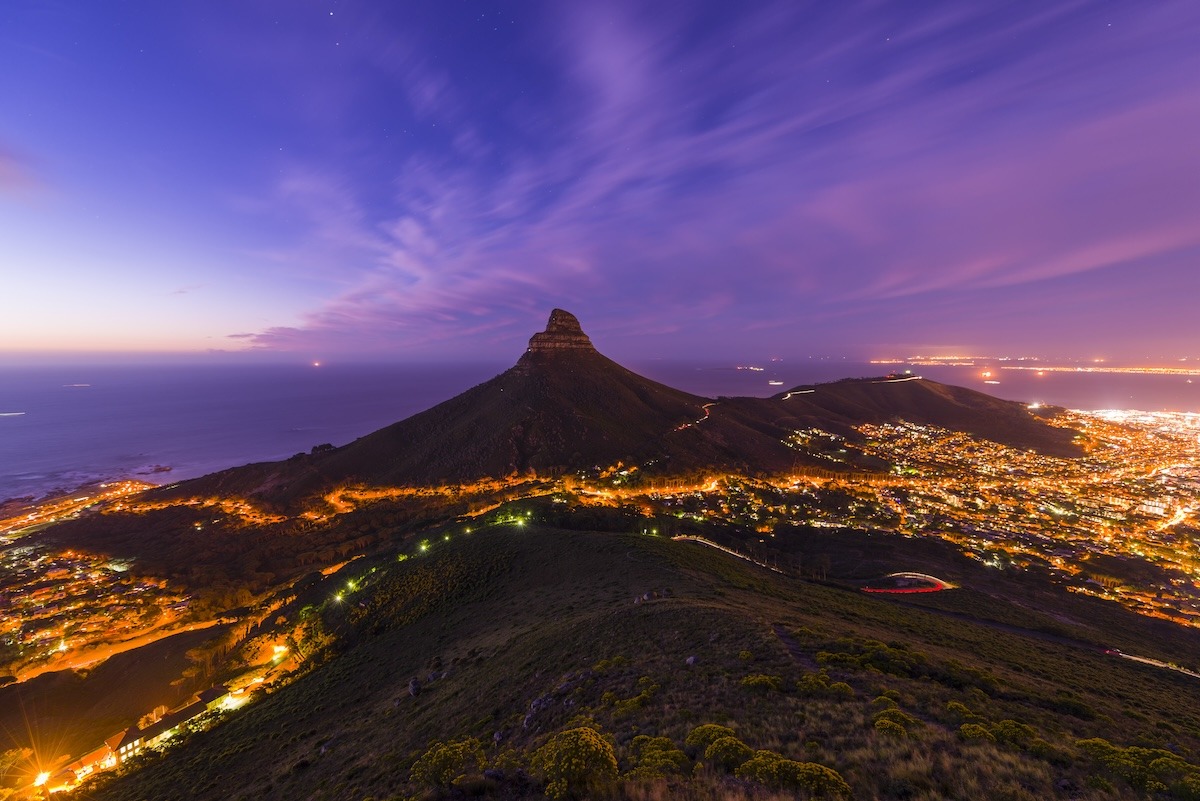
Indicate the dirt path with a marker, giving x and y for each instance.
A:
(793, 647)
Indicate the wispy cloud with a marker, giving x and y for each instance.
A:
(786, 162)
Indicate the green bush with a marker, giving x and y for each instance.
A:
(898, 659)
(777, 773)
(656, 758)
(701, 737)
(890, 728)
(760, 682)
(626, 705)
(443, 763)
(575, 761)
(728, 753)
(813, 684)
(605, 665)
(973, 732)
(883, 702)
(1011, 732)
(1149, 770)
(818, 685)
(897, 716)
(961, 713)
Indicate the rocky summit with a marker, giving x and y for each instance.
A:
(563, 332)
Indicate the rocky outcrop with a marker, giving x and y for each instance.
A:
(563, 332)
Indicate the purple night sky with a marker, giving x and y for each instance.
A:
(426, 180)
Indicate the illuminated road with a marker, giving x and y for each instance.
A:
(881, 381)
(1155, 663)
(730, 551)
(707, 413)
(938, 584)
(93, 655)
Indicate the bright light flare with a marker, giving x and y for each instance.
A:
(41, 779)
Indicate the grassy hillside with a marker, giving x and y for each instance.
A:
(517, 634)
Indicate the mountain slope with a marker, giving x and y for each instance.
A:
(515, 634)
(564, 407)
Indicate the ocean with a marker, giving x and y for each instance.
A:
(63, 427)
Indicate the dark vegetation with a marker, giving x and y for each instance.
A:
(536, 674)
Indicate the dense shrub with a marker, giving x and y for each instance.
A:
(883, 702)
(728, 753)
(444, 762)
(575, 761)
(898, 659)
(818, 685)
(961, 713)
(897, 716)
(973, 732)
(772, 770)
(626, 705)
(605, 665)
(890, 728)
(760, 682)
(701, 737)
(414, 590)
(1149, 770)
(656, 758)
(1011, 732)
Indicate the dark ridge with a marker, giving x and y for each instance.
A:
(918, 400)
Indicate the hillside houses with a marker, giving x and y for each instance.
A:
(132, 741)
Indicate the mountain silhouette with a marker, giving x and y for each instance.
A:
(564, 407)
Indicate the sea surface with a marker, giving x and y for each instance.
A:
(63, 427)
